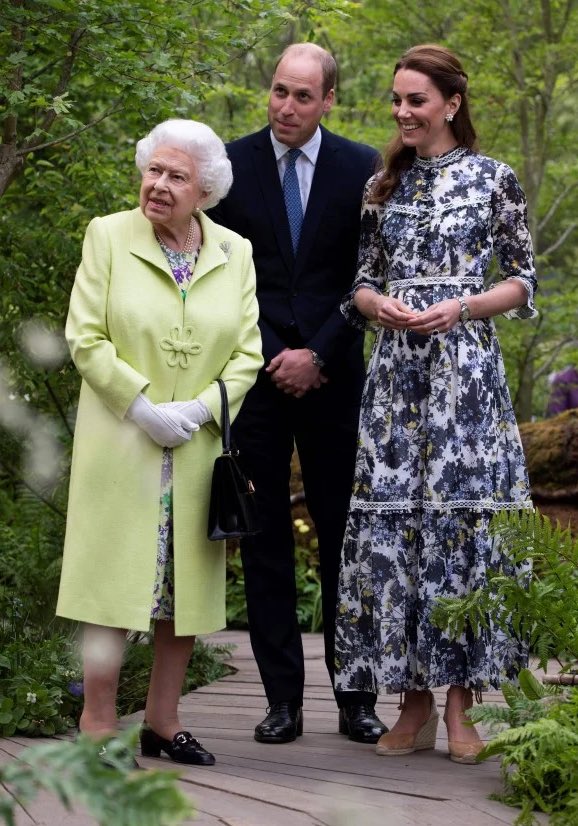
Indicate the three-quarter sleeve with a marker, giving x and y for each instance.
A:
(371, 263)
(512, 240)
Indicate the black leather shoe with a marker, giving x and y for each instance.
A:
(361, 723)
(183, 748)
(283, 724)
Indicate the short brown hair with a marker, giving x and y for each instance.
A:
(327, 61)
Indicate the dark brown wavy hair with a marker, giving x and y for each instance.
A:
(445, 71)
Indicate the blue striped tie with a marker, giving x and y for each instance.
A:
(292, 197)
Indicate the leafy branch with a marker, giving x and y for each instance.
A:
(114, 795)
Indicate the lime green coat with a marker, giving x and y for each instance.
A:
(130, 331)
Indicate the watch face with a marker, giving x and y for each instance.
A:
(464, 312)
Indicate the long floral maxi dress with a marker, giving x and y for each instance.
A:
(439, 450)
(163, 604)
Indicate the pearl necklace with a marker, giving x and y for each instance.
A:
(190, 245)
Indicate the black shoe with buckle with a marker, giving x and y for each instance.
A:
(283, 724)
(361, 723)
(183, 748)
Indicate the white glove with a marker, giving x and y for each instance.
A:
(195, 412)
(165, 427)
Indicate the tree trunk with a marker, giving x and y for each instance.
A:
(11, 166)
(523, 401)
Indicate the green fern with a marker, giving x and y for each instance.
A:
(536, 732)
(539, 767)
(539, 607)
(523, 705)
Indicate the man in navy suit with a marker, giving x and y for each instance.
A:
(302, 216)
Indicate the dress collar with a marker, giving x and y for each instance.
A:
(437, 161)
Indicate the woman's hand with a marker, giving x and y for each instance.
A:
(168, 428)
(393, 314)
(390, 313)
(438, 318)
(195, 412)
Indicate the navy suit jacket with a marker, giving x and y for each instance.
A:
(299, 296)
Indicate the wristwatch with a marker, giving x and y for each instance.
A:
(316, 359)
(465, 312)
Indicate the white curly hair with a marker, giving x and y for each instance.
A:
(202, 145)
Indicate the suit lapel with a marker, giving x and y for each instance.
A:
(267, 174)
(324, 179)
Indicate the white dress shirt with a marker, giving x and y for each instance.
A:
(304, 166)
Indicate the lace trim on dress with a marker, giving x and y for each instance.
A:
(433, 280)
(406, 505)
(526, 310)
(435, 209)
(438, 161)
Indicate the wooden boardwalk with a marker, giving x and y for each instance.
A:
(322, 779)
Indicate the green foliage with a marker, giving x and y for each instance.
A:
(114, 796)
(526, 703)
(539, 749)
(538, 727)
(39, 682)
(236, 604)
(41, 687)
(308, 591)
(39, 674)
(539, 607)
(31, 538)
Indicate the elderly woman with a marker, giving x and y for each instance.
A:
(163, 305)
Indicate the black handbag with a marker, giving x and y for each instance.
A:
(232, 509)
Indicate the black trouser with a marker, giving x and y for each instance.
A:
(323, 427)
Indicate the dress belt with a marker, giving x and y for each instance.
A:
(434, 280)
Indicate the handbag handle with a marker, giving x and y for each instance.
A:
(225, 422)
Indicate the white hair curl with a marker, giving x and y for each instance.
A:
(203, 146)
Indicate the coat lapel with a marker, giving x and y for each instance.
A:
(213, 252)
(144, 244)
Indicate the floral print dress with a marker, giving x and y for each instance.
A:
(163, 605)
(439, 450)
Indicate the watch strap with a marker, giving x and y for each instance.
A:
(316, 359)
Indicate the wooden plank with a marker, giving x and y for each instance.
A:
(231, 809)
(322, 779)
(326, 802)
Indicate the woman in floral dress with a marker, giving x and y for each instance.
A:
(439, 451)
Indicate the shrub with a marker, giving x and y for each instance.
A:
(41, 686)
